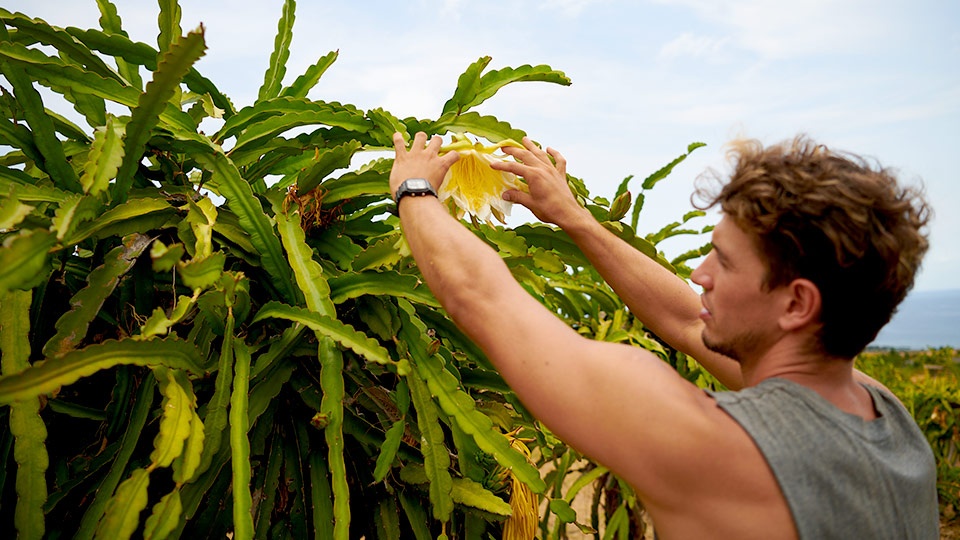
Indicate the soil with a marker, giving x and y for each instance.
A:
(950, 530)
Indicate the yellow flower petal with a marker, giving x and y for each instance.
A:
(474, 186)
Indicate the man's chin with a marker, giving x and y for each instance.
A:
(719, 347)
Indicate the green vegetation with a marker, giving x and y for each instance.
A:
(212, 334)
(210, 325)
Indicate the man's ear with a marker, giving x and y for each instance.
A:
(803, 305)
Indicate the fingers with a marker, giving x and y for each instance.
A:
(532, 162)
(532, 155)
(435, 142)
(529, 154)
(522, 154)
(449, 159)
(418, 144)
(399, 145)
(535, 150)
(515, 167)
(516, 196)
(559, 160)
(421, 160)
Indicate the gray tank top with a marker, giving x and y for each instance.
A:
(843, 477)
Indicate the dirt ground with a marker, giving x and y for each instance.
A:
(581, 504)
(950, 530)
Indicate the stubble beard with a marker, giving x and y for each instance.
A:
(737, 347)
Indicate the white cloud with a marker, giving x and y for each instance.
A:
(871, 76)
(568, 8)
(689, 44)
(450, 9)
(777, 30)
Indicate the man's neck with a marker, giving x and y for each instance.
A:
(831, 377)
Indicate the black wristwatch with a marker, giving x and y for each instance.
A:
(417, 187)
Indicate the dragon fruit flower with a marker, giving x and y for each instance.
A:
(471, 186)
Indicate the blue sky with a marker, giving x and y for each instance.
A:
(877, 77)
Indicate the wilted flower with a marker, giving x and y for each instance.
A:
(472, 186)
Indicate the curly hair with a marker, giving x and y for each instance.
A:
(833, 219)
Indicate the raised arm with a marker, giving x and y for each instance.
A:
(662, 301)
(579, 388)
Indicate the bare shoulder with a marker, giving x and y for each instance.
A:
(694, 467)
(863, 378)
(717, 469)
(690, 463)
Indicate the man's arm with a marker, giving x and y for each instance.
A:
(618, 404)
(662, 301)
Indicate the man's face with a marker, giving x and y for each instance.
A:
(740, 320)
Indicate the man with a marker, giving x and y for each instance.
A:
(810, 448)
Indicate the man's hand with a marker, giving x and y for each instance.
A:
(550, 198)
(421, 161)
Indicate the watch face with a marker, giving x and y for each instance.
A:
(417, 184)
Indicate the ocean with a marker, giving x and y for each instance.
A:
(925, 319)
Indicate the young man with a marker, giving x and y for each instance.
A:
(813, 254)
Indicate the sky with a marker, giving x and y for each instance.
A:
(879, 78)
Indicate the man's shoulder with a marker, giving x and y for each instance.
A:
(870, 382)
(727, 477)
